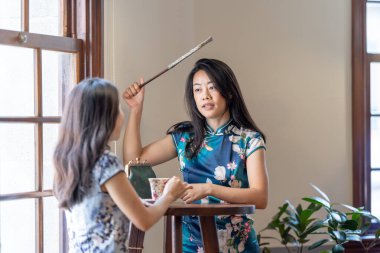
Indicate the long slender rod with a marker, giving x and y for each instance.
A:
(180, 59)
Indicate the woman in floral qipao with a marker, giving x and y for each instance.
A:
(221, 153)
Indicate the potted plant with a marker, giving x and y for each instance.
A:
(295, 226)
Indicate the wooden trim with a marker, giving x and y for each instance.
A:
(38, 82)
(360, 127)
(26, 195)
(30, 119)
(70, 18)
(38, 113)
(39, 148)
(90, 30)
(373, 57)
(39, 225)
(25, 15)
(48, 42)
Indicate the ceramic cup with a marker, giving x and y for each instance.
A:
(157, 186)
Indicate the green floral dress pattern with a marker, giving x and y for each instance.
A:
(221, 161)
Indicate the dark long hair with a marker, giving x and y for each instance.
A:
(226, 83)
(88, 121)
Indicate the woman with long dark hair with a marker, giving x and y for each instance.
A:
(90, 183)
(221, 152)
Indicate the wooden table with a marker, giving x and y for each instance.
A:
(173, 225)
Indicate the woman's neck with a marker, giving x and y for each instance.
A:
(215, 123)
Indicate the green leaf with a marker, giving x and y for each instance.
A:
(299, 208)
(336, 216)
(340, 236)
(266, 250)
(291, 206)
(350, 207)
(321, 192)
(338, 249)
(313, 206)
(352, 237)
(305, 214)
(281, 211)
(318, 200)
(318, 244)
(377, 233)
(290, 239)
(350, 224)
(355, 216)
(313, 227)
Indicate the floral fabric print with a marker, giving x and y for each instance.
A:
(221, 161)
(97, 224)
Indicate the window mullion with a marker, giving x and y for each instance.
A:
(25, 15)
(39, 147)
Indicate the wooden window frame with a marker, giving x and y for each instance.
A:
(83, 33)
(361, 114)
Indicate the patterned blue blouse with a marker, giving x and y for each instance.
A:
(221, 161)
(97, 224)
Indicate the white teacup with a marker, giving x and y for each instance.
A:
(157, 186)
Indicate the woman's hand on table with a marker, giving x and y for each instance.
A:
(197, 192)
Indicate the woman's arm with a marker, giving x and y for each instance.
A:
(131, 205)
(256, 194)
(156, 152)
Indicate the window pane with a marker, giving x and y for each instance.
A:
(10, 15)
(51, 225)
(375, 87)
(375, 142)
(373, 24)
(44, 17)
(375, 193)
(17, 230)
(49, 142)
(58, 70)
(16, 81)
(17, 158)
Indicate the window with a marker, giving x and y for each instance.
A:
(46, 46)
(366, 103)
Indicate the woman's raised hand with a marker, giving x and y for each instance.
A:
(134, 95)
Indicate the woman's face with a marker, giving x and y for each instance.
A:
(210, 103)
(118, 126)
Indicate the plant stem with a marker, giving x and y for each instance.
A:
(287, 248)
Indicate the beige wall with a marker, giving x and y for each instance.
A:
(292, 59)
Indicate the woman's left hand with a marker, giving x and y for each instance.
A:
(197, 192)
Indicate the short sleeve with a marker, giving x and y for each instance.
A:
(255, 143)
(180, 140)
(110, 165)
(176, 137)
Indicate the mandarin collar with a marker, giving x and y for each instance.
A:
(220, 131)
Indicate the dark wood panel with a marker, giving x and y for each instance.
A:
(356, 247)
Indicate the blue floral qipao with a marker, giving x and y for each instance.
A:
(97, 224)
(221, 161)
